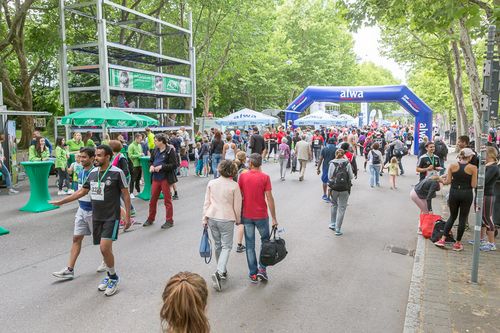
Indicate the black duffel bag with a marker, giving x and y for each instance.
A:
(273, 250)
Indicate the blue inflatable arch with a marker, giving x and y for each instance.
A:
(400, 94)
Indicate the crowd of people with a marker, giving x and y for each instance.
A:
(239, 199)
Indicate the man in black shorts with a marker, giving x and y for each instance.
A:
(105, 184)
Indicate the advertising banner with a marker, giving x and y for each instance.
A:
(148, 82)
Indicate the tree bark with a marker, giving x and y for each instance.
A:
(462, 121)
(473, 75)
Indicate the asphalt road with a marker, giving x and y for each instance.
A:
(350, 283)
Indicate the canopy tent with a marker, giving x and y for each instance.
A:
(147, 121)
(246, 117)
(317, 118)
(106, 117)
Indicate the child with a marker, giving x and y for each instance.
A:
(74, 170)
(393, 169)
(184, 162)
(62, 166)
(198, 159)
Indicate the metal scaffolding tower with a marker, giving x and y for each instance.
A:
(111, 54)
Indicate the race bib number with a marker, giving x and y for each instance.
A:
(96, 191)
(408, 142)
(316, 142)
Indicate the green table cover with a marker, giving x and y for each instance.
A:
(146, 191)
(38, 174)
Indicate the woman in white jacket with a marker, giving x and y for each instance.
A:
(221, 210)
(340, 176)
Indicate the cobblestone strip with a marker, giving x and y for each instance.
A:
(413, 308)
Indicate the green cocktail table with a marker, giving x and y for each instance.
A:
(38, 174)
(146, 191)
(3, 231)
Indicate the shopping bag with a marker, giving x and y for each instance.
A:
(205, 246)
(427, 222)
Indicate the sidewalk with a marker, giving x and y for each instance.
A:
(441, 297)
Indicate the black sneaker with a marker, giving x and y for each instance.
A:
(224, 275)
(175, 197)
(262, 275)
(148, 223)
(241, 248)
(168, 224)
(216, 281)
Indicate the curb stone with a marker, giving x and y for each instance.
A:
(414, 306)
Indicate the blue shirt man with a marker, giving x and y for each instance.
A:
(327, 154)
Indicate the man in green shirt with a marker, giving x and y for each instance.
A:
(134, 154)
(151, 139)
(76, 143)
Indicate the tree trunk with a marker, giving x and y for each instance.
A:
(451, 82)
(473, 75)
(459, 91)
(207, 97)
(27, 131)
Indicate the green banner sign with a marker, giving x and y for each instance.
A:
(148, 82)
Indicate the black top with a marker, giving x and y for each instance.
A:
(425, 161)
(461, 180)
(492, 174)
(217, 147)
(257, 143)
(426, 189)
(105, 191)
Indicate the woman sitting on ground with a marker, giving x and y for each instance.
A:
(184, 304)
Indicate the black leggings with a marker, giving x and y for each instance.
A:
(459, 200)
(272, 148)
(488, 212)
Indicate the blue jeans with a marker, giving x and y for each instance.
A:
(6, 175)
(215, 162)
(374, 175)
(262, 226)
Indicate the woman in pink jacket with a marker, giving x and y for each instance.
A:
(221, 210)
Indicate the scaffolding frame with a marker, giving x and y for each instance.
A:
(109, 53)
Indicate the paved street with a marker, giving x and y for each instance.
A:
(351, 283)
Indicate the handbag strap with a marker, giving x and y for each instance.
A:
(205, 230)
(273, 231)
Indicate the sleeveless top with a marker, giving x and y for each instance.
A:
(230, 156)
(461, 180)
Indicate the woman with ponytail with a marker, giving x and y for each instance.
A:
(184, 304)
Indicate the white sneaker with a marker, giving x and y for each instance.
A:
(132, 196)
(104, 284)
(70, 191)
(12, 191)
(65, 274)
(112, 287)
(102, 267)
(61, 192)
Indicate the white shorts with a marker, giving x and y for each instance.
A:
(83, 222)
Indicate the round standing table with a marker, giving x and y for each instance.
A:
(38, 174)
(146, 191)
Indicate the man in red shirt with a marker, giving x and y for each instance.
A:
(256, 187)
(281, 134)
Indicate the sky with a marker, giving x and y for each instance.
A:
(366, 44)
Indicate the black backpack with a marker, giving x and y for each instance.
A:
(375, 158)
(438, 232)
(441, 150)
(340, 181)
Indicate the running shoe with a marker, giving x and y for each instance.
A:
(332, 226)
(148, 223)
(458, 246)
(104, 284)
(12, 191)
(325, 197)
(262, 275)
(241, 248)
(167, 225)
(175, 197)
(112, 286)
(64, 274)
(70, 191)
(482, 241)
(488, 247)
(440, 243)
(224, 275)
(253, 278)
(338, 233)
(61, 192)
(132, 196)
(133, 213)
(216, 281)
(102, 267)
